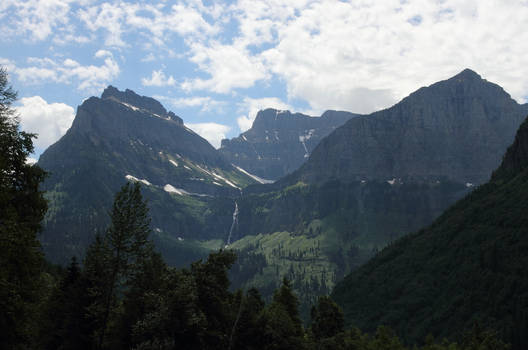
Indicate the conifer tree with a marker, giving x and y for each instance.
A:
(327, 319)
(114, 261)
(22, 207)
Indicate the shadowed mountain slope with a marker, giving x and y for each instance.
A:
(468, 266)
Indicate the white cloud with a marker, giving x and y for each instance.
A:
(357, 55)
(250, 107)
(108, 17)
(364, 55)
(158, 78)
(229, 66)
(212, 132)
(90, 78)
(39, 18)
(153, 22)
(49, 120)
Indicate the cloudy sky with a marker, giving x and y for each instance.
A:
(216, 63)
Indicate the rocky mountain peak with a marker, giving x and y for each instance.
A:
(129, 97)
(467, 74)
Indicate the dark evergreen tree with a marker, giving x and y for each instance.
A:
(247, 333)
(22, 207)
(115, 262)
(327, 319)
(214, 298)
(65, 325)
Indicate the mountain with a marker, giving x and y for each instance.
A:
(374, 179)
(468, 266)
(121, 137)
(458, 128)
(279, 141)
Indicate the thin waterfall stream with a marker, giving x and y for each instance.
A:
(235, 222)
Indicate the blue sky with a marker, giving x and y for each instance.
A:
(216, 63)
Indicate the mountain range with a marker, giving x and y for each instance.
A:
(364, 185)
(374, 179)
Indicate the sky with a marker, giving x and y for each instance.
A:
(216, 63)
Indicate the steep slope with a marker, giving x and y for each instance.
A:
(279, 141)
(469, 265)
(126, 137)
(374, 179)
(458, 128)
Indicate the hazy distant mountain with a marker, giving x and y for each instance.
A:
(279, 141)
(458, 129)
(468, 266)
(126, 137)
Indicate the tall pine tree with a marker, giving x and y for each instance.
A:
(114, 262)
(22, 207)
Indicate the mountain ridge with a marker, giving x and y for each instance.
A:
(411, 137)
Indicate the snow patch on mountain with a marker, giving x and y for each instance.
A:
(135, 179)
(254, 177)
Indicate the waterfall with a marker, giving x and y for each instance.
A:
(235, 221)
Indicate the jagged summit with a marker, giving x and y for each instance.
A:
(130, 98)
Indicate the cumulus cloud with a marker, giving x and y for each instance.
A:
(229, 66)
(49, 120)
(358, 55)
(153, 21)
(363, 56)
(249, 108)
(90, 78)
(212, 132)
(38, 18)
(158, 78)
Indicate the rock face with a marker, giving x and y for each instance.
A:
(279, 141)
(467, 267)
(458, 129)
(126, 137)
